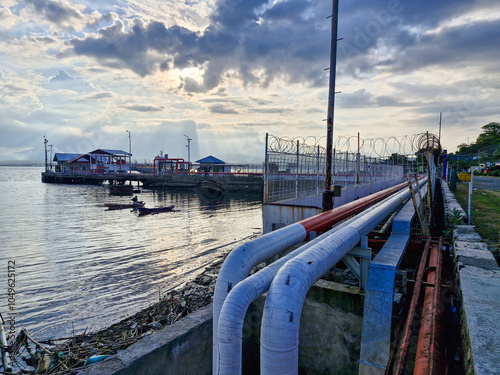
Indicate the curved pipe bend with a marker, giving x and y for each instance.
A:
(242, 259)
(283, 308)
(232, 315)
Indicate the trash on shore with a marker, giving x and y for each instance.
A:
(72, 354)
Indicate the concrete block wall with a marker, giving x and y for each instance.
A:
(479, 277)
(294, 210)
(330, 339)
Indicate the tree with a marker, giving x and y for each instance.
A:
(487, 142)
(490, 135)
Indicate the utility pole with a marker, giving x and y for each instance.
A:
(129, 149)
(328, 194)
(50, 160)
(45, 141)
(440, 115)
(189, 149)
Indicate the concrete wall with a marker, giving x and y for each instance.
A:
(479, 277)
(288, 212)
(184, 348)
(330, 337)
(231, 183)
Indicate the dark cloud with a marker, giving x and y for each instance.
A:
(363, 98)
(271, 110)
(99, 95)
(234, 41)
(143, 108)
(458, 46)
(54, 11)
(225, 110)
(260, 41)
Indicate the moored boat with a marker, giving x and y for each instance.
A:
(118, 206)
(212, 188)
(147, 211)
(121, 189)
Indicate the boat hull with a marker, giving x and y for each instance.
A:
(156, 210)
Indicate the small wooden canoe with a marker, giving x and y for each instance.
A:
(156, 210)
(118, 206)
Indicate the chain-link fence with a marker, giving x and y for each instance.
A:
(296, 170)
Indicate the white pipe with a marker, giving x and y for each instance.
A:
(283, 308)
(232, 314)
(3, 342)
(240, 262)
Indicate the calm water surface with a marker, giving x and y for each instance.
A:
(81, 267)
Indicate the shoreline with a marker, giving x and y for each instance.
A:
(72, 354)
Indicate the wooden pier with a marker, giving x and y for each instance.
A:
(244, 182)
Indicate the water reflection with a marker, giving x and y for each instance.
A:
(81, 266)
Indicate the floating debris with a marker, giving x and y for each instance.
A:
(72, 354)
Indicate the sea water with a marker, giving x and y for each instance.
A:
(67, 265)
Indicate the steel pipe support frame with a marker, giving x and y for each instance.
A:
(241, 260)
(232, 315)
(379, 294)
(282, 311)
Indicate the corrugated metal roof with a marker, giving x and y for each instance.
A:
(110, 152)
(210, 160)
(63, 156)
(83, 157)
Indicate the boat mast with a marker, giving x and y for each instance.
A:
(328, 194)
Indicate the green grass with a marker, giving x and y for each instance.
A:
(485, 213)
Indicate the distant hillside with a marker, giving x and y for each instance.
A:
(20, 163)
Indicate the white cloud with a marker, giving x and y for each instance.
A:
(85, 72)
(7, 19)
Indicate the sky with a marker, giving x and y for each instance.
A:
(92, 74)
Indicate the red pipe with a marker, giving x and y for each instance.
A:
(428, 343)
(328, 218)
(403, 348)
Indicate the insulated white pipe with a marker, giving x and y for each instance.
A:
(232, 314)
(240, 262)
(3, 342)
(283, 308)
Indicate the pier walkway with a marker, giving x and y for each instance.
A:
(232, 182)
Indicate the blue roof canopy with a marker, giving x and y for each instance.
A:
(62, 156)
(210, 160)
(110, 152)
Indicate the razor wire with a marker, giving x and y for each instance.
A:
(296, 169)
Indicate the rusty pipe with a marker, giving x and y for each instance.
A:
(428, 353)
(403, 349)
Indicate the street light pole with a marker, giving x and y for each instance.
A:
(129, 149)
(189, 149)
(45, 141)
(50, 160)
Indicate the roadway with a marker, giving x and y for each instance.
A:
(486, 183)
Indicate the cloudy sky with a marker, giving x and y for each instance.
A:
(225, 72)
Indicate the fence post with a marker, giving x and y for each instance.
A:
(297, 173)
(266, 172)
(317, 171)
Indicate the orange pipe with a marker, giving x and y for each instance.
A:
(328, 218)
